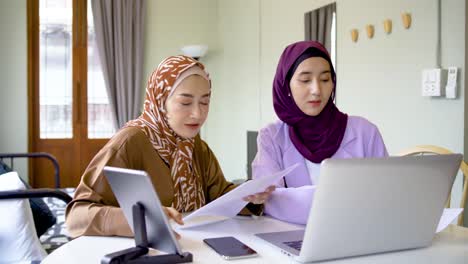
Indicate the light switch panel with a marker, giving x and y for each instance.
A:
(432, 81)
(451, 87)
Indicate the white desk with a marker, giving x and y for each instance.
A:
(449, 246)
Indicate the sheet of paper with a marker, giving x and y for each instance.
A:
(447, 217)
(231, 203)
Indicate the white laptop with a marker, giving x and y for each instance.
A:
(367, 206)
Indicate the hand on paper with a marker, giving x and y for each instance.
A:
(173, 214)
(261, 197)
(233, 202)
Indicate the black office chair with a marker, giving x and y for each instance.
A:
(251, 151)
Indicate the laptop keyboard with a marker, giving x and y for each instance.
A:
(294, 244)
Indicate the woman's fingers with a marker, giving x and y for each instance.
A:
(176, 234)
(270, 189)
(260, 197)
(174, 214)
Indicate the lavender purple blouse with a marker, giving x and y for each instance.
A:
(276, 152)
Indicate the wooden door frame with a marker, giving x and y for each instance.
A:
(83, 148)
(33, 76)
(79, 58)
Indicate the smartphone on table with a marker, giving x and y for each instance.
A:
(230, 248)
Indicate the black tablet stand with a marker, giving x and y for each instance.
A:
(136, 255)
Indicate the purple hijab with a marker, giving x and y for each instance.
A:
(315, 137)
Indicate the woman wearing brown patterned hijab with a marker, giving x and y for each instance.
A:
(164, 142)
(171, 120)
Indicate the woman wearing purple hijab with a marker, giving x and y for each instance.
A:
(310, 129)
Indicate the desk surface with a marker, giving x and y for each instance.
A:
(449, 246)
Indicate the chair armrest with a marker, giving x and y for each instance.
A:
(36, 193)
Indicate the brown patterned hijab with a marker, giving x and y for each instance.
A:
(173, 149)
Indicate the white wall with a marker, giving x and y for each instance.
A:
(235, 101)
(13, 81)
(383, 73)
(176, 23)
(466, 84)
(466, 100)
(380, 79)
